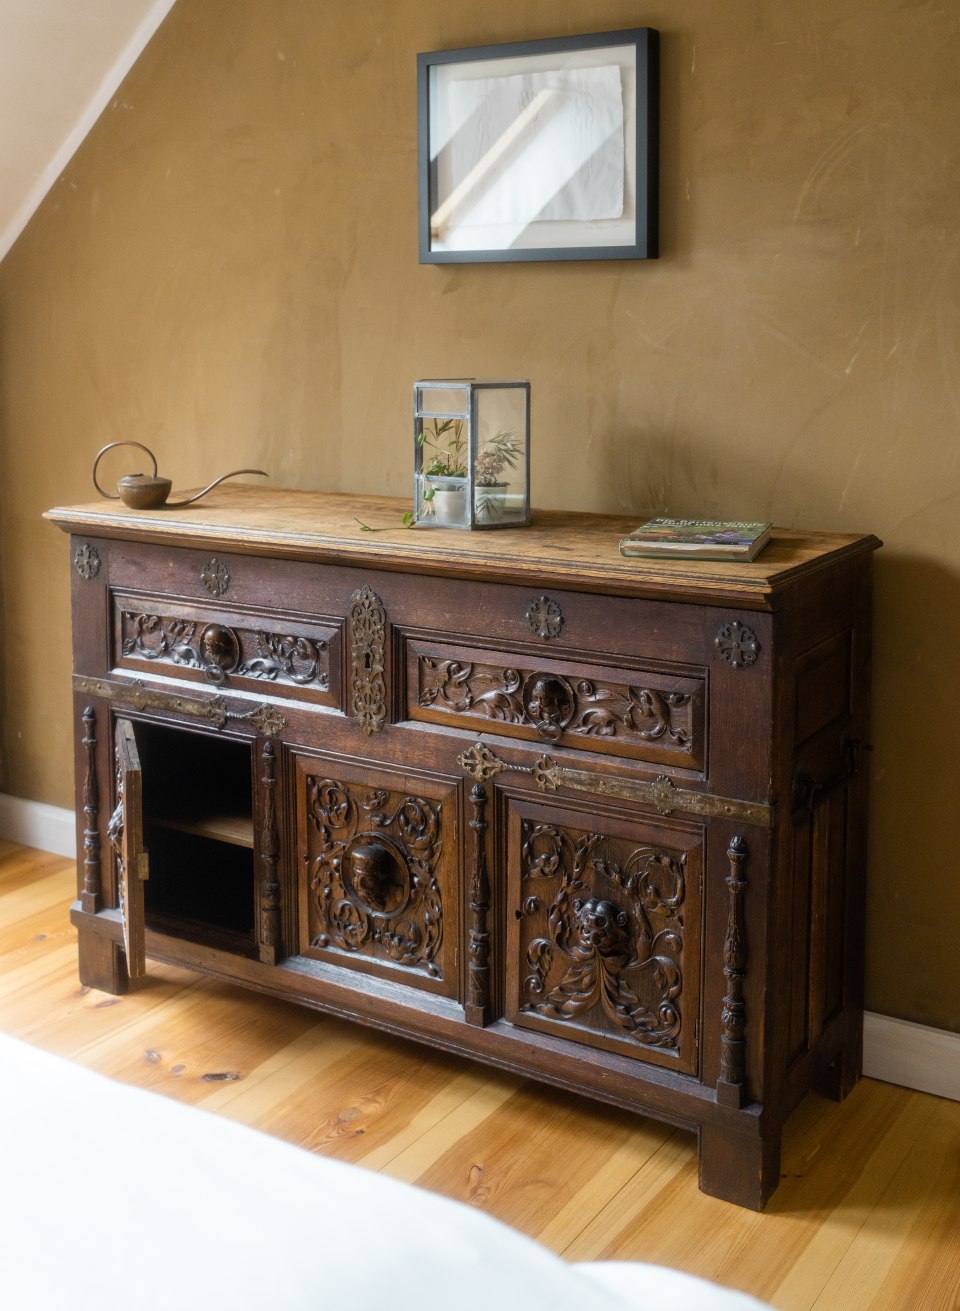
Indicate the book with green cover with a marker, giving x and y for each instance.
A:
(705, 539)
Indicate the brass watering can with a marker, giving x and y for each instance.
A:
(143, 491)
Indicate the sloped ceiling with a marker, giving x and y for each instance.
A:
(60, 63)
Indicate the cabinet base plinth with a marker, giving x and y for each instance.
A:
(738, 1168)
(103, 964)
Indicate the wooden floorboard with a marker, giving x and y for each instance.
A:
(867, 1215)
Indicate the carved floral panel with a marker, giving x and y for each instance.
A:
(606, 937)
(225, 652)
(375, 882)
(648, 716)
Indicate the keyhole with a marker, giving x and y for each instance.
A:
(367, 660)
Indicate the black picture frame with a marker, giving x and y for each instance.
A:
(480, 185)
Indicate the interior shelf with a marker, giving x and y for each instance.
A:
(223, 826)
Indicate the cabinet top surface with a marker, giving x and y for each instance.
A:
(560, 548)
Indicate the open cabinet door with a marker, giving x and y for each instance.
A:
(126, 836)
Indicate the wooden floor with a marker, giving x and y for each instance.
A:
(867, 1215)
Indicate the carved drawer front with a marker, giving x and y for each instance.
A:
(224, 648)
(634, 712)
(378, 888)
(603, 922)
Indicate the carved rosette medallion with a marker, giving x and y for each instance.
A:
(86, 561)
(545, 618)
(215, 577)
(554, 705)
(737, 644)
(373, 871)
(221, 651)
(602, 934)
(368, 634)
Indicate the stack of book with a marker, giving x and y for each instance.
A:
(704, 539)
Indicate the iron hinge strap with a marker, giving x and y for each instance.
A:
(212, 710)
(662, 794)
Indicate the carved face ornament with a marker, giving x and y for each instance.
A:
(601, 927)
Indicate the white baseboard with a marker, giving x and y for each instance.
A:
(894, 1051)
(912, 1055)
(35, 824)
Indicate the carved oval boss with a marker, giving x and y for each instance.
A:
(377, 875)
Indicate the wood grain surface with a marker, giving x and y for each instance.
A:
(366, 530)
(867, 1215)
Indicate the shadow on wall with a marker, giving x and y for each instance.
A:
(913, 891)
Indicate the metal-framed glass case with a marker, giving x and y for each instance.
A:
(471, 453)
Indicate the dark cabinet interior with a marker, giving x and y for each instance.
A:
(198, 832)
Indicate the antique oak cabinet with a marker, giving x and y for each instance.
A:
(592, 820)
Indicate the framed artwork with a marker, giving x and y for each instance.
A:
(539, 150)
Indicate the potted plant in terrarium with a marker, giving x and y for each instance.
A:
(471, 460)
(496, 456)
(444, 472)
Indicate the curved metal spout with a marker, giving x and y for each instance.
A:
(176, 505)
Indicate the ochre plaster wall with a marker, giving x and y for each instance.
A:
(228, 271)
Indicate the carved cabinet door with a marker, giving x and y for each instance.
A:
(125, 831)
(379, 887)
(604, 928)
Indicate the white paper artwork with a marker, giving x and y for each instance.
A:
(534, 147)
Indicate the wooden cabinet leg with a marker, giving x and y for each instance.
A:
(737, 1167)
(103, 964)
(843, 1073)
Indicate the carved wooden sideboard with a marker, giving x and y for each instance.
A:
(593, 820)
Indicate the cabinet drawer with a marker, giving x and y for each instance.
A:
(603, 929)
(624, 709)
(225, 647)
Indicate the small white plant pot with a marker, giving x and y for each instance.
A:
(448, 503)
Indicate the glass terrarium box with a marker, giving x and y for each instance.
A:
(471, 453)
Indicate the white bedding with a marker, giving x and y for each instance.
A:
(111, 1197)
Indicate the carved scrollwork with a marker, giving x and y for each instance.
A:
(220, 651)
(554, 705)
(296, 658)
(115, 838)
(368, 632)
(612, 944)
(737, 644)
(373, 859)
